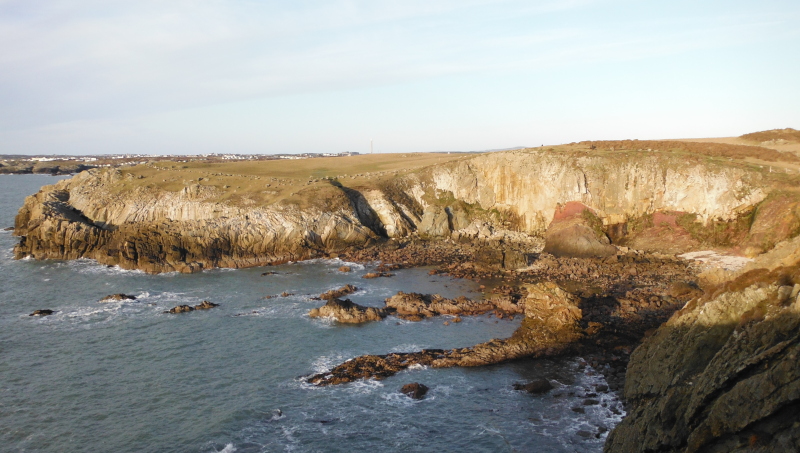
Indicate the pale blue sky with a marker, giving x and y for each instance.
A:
(189, 76)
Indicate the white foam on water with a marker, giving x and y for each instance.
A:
(363, 386)
(92, 267)
(397, 399)
(325, 363)
(229, 448)
(407, 347)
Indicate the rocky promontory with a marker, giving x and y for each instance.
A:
(582, 238)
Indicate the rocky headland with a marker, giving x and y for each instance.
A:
(581, 240)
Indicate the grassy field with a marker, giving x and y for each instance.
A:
(266, 182)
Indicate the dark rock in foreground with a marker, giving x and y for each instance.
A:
(722, 374)
(536, 386)
(42, 313)
(346, 311)
(117, 297)
(415, 390)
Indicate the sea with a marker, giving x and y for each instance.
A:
(126, 377)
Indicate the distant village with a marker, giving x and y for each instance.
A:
(66, 164)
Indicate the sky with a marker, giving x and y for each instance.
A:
(248, 76)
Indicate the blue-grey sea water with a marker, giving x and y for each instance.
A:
(125, 377)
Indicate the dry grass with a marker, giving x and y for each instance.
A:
(301, 181)
(711, 149)
(788, 134)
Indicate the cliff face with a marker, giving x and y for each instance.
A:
(618, 188)
(120, 218)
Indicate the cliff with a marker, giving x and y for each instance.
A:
(721, 375)
(163, 218)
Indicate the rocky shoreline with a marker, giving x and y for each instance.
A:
(582, 245)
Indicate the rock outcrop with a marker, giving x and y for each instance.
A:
(551, 327)
(721, 375)
(346, 311)
(415, 306)
(576, 231)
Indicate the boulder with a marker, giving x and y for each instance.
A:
(44, 312)
(345, 269)
(415, 390)
(435, 222)
(577, 232)
(345, 311)
(180, 309)
(117, 297)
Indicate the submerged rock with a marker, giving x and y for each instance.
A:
(44, 312)
(117, 297)
(344, 269)
(180, 309)
(536, 386)
(346, 311)
(205, 305)
(377, 275)
(415, 390)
